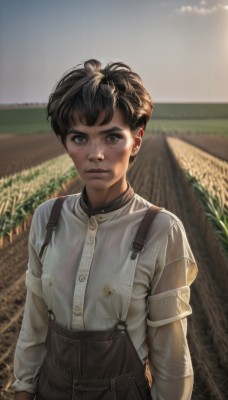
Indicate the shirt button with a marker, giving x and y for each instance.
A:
(77, 311)
(81, 278)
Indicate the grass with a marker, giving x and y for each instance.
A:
(190, 111)
(23, 120)
(209, 126)
(167, 118)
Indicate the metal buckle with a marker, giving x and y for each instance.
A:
(121, 325)
(51, 315)
(134, 252)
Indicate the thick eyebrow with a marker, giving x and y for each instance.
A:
(114, 129)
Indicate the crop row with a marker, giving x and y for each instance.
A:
(21, 193)
(208, 177)
(211, 172)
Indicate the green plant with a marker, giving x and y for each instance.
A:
(21, 193)
(214, 207)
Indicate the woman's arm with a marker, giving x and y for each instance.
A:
(170, 362)
(30, 349)
(168, 303)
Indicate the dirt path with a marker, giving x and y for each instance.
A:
(154, 176)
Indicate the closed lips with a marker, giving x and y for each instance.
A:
(97, 170)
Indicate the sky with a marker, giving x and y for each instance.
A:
(178, 47)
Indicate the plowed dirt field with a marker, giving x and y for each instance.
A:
(155, 176)
(18, 152)
(215, 145)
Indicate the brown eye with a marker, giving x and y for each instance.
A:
(79, 139)
(113, 138)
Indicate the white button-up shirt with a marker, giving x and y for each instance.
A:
(82, 277)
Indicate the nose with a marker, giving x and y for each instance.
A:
(96, 152)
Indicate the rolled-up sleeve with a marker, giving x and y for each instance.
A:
(168, 307)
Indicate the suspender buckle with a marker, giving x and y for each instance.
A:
(51, 315)
(140, 238)
(135, 251)
(121, 325)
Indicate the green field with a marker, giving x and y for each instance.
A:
(190, 118)
(208, 126)
(190, 111)
(167, 118)
(23, 120)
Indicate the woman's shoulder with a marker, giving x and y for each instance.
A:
(47, 205)
(43, 211)
(164, 216)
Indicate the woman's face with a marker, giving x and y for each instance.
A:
(101, 155)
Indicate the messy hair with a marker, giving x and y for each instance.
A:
(88, 89)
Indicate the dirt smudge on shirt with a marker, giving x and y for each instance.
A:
(108, 290)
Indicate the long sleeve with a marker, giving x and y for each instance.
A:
(30, 349)
(169, 356)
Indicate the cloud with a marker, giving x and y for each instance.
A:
(202, 9)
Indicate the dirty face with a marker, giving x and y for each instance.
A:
(101, 156)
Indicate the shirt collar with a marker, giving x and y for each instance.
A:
(109, 207)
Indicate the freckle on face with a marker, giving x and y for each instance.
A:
(114, 155)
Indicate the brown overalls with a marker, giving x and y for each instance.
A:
(94, 365)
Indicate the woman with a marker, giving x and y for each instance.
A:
(99, 305)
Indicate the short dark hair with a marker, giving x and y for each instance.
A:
(86, 91)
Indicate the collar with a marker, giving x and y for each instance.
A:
(114, 205)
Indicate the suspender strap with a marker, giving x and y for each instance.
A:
(140, 238)
(52, 223)
(130, 265)
(137, 245)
